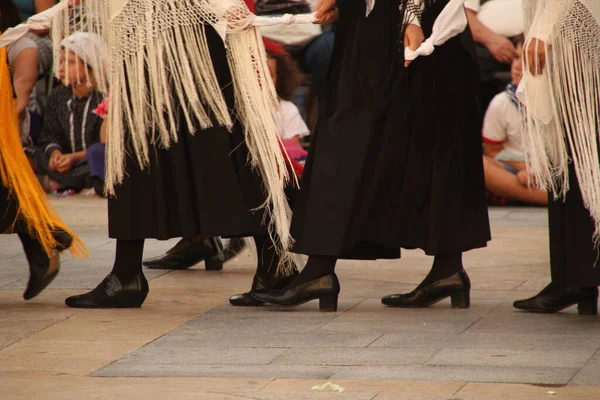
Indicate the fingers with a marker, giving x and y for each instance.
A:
(328, 18)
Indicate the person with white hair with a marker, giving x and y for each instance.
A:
(561, 94)
(71, 131)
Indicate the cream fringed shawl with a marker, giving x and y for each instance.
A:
(157, 57)
(562, 106)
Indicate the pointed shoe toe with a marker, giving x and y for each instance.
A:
(42, 273)
(245, 300)
(552, 301)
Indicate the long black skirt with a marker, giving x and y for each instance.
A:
(574, 260)
(201, 185)
(396, 161)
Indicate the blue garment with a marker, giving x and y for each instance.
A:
(315, 61)
(95, 156)
(26, 8)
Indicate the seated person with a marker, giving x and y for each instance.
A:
(504, 160)
(307, 43)
(71, 128)
(286, 77)
(495, 25)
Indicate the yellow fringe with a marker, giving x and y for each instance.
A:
(17, 175)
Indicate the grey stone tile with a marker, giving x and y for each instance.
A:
(160, 352)
(157, 369)
(525, 342)
(542, 376)
(7, 281)
(385, 325)
(234, 340)
(501, 357)
(278, 323)
(527, 323)
(355, 356)
(589, 375)
(422, 340)
(469, 340)
(442, 311)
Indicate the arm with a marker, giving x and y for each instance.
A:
(104, 132)
(43, 5)
(25, 67)
(52, 137)
(500, 47)
(539, 36)
(494, 128)
(491, 149)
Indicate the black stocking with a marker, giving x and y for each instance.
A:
(268, 259)
(443, 266)
(128, 259)
(316, 267)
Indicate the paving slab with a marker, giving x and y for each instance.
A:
(503, 357)
(354, 356)
(545, 376)
(122, 369)
(590, 373)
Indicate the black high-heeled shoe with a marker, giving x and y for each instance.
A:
(261, 284)
(554, 299)
(456, 286)
(326, 289)
(211, 254)
(110, 293)
(43, 268)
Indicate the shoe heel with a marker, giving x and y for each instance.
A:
(213, 264)
(328, 303)
(133, 300)
(588, 307)
(461, 299)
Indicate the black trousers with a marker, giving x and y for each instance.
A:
(574, 260)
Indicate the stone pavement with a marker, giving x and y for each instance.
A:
(186, 342)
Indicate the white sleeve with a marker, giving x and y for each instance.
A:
(495, 124)
(412, 15)
(473, 5)
(291, 120)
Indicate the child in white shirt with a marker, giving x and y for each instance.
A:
(286, 77)
(503, 160)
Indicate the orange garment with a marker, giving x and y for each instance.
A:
(16, 174)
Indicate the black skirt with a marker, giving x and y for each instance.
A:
(397, 159)
(574, 260)
(201, 185)
(8, 211)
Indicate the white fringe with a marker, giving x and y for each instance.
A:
(573, 77)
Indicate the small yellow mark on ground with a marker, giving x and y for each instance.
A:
(332, 386)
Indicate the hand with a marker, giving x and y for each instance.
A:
(65, 162)
(413, 38)
(536, 56)
(502, 49)
(326, 12)
(54, 157)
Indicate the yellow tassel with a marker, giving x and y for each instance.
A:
(16, 174)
